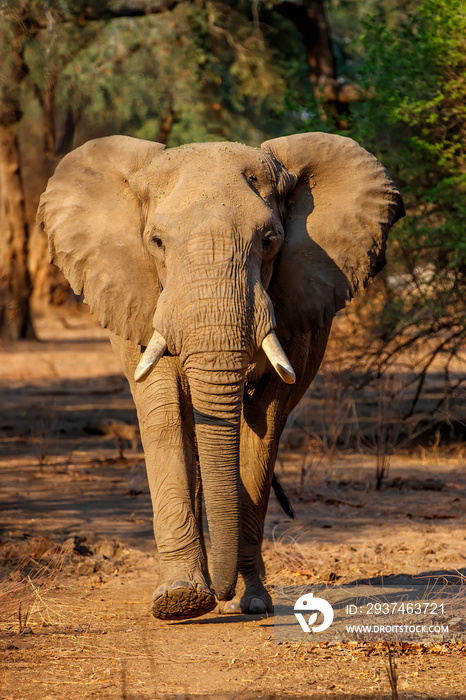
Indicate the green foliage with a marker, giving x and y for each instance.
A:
(414, 76)
(209, 66)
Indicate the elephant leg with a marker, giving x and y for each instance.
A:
(266, 407)
(199, 514)
(167, 434)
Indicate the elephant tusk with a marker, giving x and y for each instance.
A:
(151, 356)
(279, 361)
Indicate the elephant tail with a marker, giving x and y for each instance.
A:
(282, 497)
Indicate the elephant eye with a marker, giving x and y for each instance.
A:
(269, 238)
(158, 241)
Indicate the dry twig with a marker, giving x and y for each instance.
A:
(392, 672)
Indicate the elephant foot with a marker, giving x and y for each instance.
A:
(182, 600)
(254, 600)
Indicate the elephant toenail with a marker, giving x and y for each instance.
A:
(159, 592)
(257, 606)
(181, 584)
(231, 607)
(204, 588)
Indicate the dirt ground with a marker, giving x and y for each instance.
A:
(78, 561)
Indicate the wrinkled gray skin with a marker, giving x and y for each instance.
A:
(214, 245)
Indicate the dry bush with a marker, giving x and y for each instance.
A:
(335, 411)
(389, 392)
(137, 479)
(319, 423)
(361, 401)
(392, 671)
(45, 435)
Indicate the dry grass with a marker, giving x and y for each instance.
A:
(27, 599)
(291, 555)
(294, 564)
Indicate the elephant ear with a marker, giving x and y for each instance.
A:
(337, 218)
(94, 211)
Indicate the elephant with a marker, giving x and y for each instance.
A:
(217, 269)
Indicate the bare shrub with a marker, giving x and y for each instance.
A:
(336, 409)
(137, 479)
(320, 422)
(392, 671)
(45, 434)
(389, 391)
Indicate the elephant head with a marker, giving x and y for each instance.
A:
(201, 251)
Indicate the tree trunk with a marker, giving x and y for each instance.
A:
(69, 128)
(165, 126)
(15, 284)
(50, 285)
(310, 20)
(46, 97)
(21, 24)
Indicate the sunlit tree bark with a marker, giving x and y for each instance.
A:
(15, 284)
(19, 23)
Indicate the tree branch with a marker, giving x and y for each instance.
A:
(31, 22)
(131, 8)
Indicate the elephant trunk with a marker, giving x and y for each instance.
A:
(217, 414)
